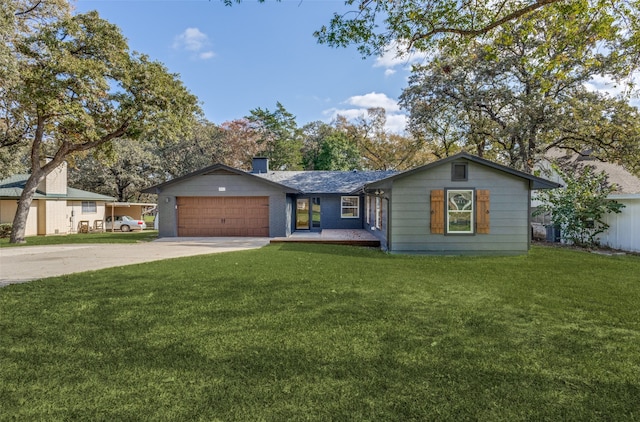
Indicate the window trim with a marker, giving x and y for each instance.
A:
(471, 211)
(89, 207)
(454, 177)
(355, 208)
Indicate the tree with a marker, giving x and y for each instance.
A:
(328, 148)
(579, 209)
(381, 150)
(204, 146)
(81, 89)
(420, 25)
(279, 137)
(519, 93)
(131, 167)
(242, 143)
(18, 19)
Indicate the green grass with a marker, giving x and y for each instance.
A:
(107, 237)
(321, 332)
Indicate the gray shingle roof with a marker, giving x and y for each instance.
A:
(11, 188)
(626, 183)
(342, 182)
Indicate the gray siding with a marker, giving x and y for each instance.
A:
(411, 211)
(234, 185)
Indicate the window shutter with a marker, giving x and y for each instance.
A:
(437, 211)
(482, 212)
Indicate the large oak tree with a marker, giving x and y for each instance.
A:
(521, 92)
(419, 25)
(80, 88)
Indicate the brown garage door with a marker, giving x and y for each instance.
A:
(223, 216)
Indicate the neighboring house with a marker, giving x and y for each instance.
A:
(459, 205)
(56, 208)
(624, 228)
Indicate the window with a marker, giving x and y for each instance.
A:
(459, 172)
(89, 207)
(460, 211)
(350, 207)
(378, 212)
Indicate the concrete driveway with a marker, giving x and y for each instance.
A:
(25, 263)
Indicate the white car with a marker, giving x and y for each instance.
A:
(124, 223)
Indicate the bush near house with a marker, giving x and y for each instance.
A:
(5, 230)
(579, 209)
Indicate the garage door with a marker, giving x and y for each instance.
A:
(223, 216)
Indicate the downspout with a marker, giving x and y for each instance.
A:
(529, 217)
(388, 223)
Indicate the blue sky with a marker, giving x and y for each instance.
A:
(252, 55)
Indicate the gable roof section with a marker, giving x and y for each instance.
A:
(325, 182)
(214, 169)
(12, 187)
(534, 181)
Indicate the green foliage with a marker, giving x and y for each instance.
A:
(5, 230)
(374, 26)
(80, 238)
(521, 91)
(580, 208)
(81, 88)
(134, 166)
(279, 137)
(327, 147)
(327, 333)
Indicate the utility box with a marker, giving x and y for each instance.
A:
(553, 234)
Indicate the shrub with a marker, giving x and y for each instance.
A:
(5, 230)
(579, 209)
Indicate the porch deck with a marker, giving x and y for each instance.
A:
(332, 237)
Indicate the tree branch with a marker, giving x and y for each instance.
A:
(475, 32)
(29, 10)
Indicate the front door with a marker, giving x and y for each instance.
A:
(302, 214)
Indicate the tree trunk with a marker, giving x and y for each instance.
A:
(24, 203)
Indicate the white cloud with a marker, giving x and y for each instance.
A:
(195, 41)
(207, 55)
(605, 85)
(397, 123)
(396, 120)
(374, 99)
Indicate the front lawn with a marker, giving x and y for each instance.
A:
(321, 332)
(106, 237)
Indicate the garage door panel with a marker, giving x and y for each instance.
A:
(223, 216)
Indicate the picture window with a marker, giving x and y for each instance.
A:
(460, 211)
